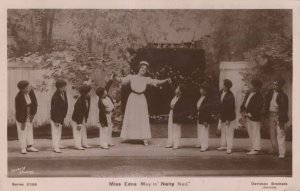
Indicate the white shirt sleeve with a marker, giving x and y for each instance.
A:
(153, 82)
(126, 79)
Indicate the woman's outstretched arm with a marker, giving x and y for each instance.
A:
(156, 82)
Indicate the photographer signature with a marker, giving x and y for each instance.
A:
(22, 170)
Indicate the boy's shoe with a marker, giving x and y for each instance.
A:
(87, 146)
(146, 143)
(281, 156)
(57, 150)
(221, 148)
(228, 151)
(23, 151)
(79, 148)
(203, 150)
(32, 149)
(111, 144)
(252, 153)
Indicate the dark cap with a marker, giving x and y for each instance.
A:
(204, 86)
(182, 87)
(22, 84)
(256, 83)
(60, 83)
(84, 89)
(227, 83)
(100, 91)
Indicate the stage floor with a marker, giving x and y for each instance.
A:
(132, 159)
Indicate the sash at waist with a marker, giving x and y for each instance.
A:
(132, 91)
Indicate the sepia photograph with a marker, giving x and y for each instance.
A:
(118, 93)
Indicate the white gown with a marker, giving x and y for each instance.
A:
(136, 118)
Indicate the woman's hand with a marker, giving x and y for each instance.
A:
(169, 80)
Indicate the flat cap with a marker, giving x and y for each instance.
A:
(22, 84)
(100, 91)
(60, 83)
(84, 89)
(205, 86)
(227, 83)
(256, 83)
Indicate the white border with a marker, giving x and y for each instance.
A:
(196, 183)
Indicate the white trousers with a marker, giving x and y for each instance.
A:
(174, 135)
(106, 132)
(281, 141)
(56, 135)
(25, 136)
(80, 136)
(227, 135)
(253, 128)
(277, 135)
(174, 132)
(203, 135)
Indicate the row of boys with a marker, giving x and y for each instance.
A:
(26, 108)
(276, 109)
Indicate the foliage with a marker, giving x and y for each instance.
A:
(99, 39)
(29, 30)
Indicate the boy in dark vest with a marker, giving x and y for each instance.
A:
(204, 114)
(80, 117)
(106, 108)
(227, 116)
(178, 114)
(26, 108)
(276, 108)
(251, 109)
(59, 109)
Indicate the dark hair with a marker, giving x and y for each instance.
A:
(60, 83)
(100, 91)
(22, 84)
(227, 83)
(256, 83)
(84, 89)
(182, 87)
(205, 86)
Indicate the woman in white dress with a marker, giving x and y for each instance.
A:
(136, 118)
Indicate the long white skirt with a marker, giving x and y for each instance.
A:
(136, 119)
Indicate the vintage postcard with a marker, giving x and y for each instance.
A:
(140, 95)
